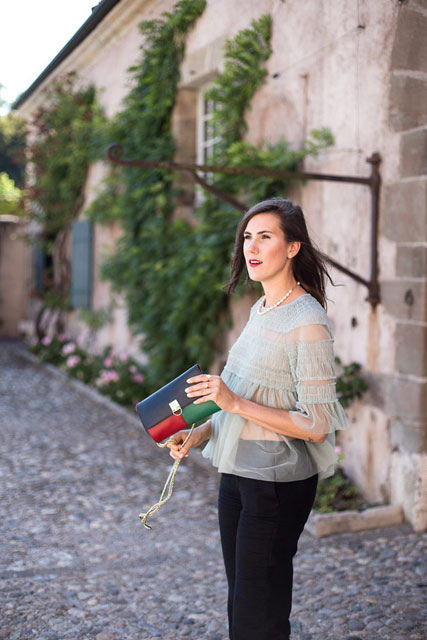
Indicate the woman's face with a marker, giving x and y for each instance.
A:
(265, 248)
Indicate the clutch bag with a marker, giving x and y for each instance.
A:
(169, 409)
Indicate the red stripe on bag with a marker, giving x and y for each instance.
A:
(167, 428)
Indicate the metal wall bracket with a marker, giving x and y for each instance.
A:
(114, 154)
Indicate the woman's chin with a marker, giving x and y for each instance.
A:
(253, 276)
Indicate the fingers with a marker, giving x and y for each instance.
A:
(177, 439)
(177, 453)
(202, 386)
(204, 377)
(202, 382)
(174, 445)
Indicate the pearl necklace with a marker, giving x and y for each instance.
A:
(267, 309)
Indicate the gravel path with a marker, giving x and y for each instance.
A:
(75, 562)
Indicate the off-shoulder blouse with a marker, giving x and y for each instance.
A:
(282, 359)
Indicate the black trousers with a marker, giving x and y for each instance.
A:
(260, 524)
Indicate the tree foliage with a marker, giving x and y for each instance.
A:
(12, 147)
(10, 197)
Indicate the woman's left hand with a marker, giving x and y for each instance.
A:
(208, 387)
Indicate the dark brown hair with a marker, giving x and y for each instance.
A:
(308, 265)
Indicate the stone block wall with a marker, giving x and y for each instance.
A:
(404, 221)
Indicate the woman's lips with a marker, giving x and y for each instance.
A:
(254, 264)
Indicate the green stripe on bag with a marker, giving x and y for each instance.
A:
(197, 412)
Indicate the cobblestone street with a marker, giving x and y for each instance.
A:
(75, 561)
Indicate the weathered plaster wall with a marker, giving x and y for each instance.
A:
(358, 67)
(14, 267)
(331, 67)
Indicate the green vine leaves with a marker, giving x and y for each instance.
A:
(172, 273)
(243, 74)
(62, 149)
(66, 136)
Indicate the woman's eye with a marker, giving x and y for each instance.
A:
(264, 236)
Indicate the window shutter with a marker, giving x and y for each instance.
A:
(81, 264)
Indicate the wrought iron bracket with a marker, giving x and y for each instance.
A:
(114, 154)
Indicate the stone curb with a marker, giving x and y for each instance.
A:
(195, 454)
(325, 524)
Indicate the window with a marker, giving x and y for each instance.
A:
(206, 134)
(206, 137)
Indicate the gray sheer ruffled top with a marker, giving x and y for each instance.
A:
(282, 359)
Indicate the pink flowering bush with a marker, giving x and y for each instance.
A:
(63, 351)
(49, 349)
(68, 348)
(107, 376)
(113, 374)
(72, 361)
(121, 378)
(82, 365)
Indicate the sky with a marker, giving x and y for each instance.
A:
(32, 32)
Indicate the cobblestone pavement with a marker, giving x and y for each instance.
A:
(75, 561)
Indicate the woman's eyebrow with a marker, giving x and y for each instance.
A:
(258, 232)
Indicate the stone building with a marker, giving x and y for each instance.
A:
(359, 68)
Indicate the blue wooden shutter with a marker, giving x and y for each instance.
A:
(81, 264)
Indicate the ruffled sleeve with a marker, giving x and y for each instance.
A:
(311, 356)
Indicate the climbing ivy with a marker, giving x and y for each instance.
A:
(62, 148)
(171, 272)
(65, 138)
(143, 265)
(242, 76)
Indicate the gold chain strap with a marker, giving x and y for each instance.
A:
(168, 484)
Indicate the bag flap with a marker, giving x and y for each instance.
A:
(155, 408)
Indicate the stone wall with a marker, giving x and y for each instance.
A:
(405, 293)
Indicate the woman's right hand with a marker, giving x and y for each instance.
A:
(199, 435)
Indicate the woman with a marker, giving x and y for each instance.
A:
(275, 434)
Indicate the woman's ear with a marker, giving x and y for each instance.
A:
(294, 247)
